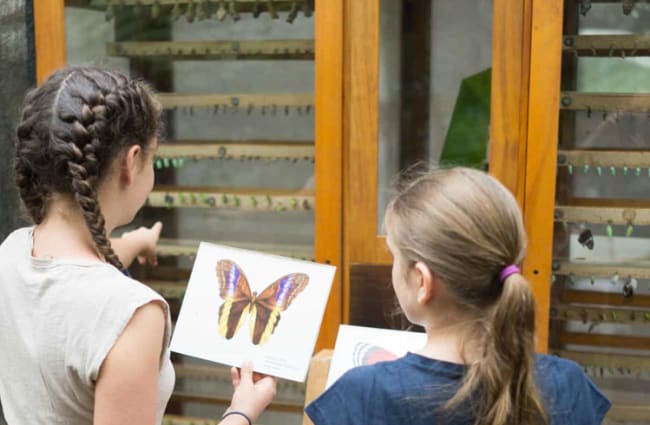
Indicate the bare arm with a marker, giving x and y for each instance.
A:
(127, 386)
(139, 243)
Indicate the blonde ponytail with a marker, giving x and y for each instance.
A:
(466, 227)
(503, 377)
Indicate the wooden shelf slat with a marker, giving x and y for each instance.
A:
(277, 406)
(629, 412)
(615, 102)
(238, 100)
(241, 199)
(601, 340)
(188, 248)
(639, 270)
(604, 298)
(218, 49)
(301, 150)
(242, 6)
(589, 314)
(603, 215)
(609, 202)
(608, 45)
(632, 159)
(605, 360)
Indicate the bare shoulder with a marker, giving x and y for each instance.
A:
(126, 387)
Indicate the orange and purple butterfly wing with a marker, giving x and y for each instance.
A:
(274, 299)
(235, 290)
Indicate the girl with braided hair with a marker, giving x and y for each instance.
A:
(82, 343)
(457, 238)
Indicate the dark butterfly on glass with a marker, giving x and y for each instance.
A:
(264, 308)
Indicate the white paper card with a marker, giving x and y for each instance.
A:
(288, 292)
(358, 346)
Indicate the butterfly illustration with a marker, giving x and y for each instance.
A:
(366, 354)
(264, 308)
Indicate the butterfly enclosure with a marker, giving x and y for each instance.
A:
(237, 161)
(600, 265)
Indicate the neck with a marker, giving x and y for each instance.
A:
(450, 342)
(63, 233)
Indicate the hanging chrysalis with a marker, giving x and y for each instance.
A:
(221, 11)
(599, 171)
(586, 239)
(625, 171)
(585, 169)
(612, 171)
(155, 9)
(176, 11)
(592, 280)
(232, 10)
(609, 230)
(257, 9)
(253, 202)
(293, 12)
(629, 230)
(189, 11)
(570, 168)
(201, 11)
(110, 10)
(638, 171)
(629, 288)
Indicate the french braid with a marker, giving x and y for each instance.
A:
(73, 128)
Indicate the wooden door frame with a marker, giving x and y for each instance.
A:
(523, 128)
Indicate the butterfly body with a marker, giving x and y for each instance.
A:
(264, 308)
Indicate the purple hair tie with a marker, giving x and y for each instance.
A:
(507, 271)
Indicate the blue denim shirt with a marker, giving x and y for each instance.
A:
(411, 389)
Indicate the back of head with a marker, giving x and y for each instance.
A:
(466, 227)
(73, 127)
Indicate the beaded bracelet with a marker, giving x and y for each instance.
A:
(236, 412)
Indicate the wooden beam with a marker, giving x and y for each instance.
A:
(610, 203)
(603, 215)
(216, 49)
(188, 248)
(249, 149)
(590, 314)
(604, 360)
(541, 156)
(49, 37)
(607, 45)
(630, 159)
(601, 340)
(639, 270)
(509, 101)
(237, 100)
(614, 102)
(328, 167)
(273, 200)
(275, 406)
(605, 298)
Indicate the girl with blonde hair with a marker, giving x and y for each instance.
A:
(458, 240)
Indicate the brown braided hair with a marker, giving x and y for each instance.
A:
(73, 127)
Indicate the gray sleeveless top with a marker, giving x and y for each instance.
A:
(58, 321)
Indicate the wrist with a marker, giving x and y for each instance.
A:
(233, 417)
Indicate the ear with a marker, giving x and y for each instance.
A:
(427, 283)
(131, 163)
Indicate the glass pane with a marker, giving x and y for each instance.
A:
(236, 166)
(602, 272)
(434, 85)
